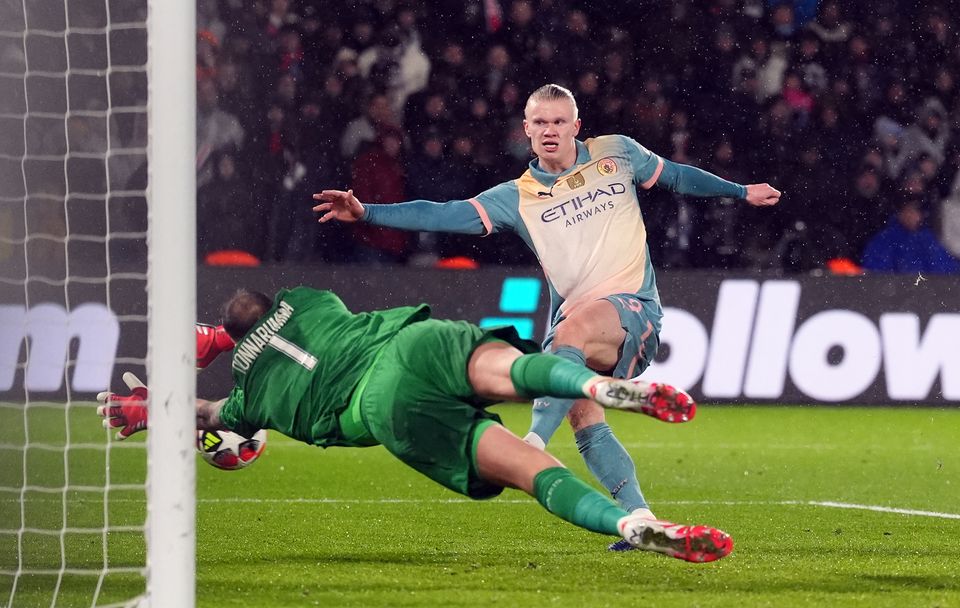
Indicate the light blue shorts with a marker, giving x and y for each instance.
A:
(640, 319)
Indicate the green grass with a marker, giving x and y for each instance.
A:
(307, 527)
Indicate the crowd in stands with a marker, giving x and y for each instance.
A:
(850, 108)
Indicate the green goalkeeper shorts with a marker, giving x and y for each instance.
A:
(418, 403)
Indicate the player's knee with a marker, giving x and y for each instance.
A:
(571, 332)
(585, 413)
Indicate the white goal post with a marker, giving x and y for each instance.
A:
(171, 477)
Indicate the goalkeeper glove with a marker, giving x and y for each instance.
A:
(211, 341)
(128, 413)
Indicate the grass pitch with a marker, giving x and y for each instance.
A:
(827, 507)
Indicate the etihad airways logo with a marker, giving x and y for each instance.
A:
(756, 343)
(50, 328)
(580, 207)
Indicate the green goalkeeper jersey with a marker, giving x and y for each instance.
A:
(296, 368)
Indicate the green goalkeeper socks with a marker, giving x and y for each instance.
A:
(570, 499)
(544, 374)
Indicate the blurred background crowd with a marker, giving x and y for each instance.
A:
(850, 108)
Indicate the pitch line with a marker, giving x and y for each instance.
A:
(522, 501)
(733, 503)
(879, 509)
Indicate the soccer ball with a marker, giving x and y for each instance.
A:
(229, 451)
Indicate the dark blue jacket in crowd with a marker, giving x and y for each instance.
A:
(896, 249)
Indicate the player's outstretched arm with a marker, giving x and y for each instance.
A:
(129, 412)
(208, 415)
(762, 195)
(338, 205)
(211, 341)
(125, 412)
(458, 216)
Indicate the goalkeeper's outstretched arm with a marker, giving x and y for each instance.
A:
(129, 413)
(208, 415)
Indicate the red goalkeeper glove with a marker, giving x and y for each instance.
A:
(128, 413)
(211, 341)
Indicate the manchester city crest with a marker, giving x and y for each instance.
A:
(607, 166)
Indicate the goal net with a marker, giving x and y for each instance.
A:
(87, 255)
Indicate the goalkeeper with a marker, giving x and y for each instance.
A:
(307, 367)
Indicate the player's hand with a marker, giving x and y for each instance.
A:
(338, 205)
(762, 195)
(127, 413)
(211, 341)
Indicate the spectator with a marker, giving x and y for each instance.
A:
(865, 212)
(481, 120)
(225, 210)
(208, 19)
(279, 18)
(833, 30)
(808, 63)
(798, 98)
(929, 136)
(216, 130)
(290, 57)
(274, 147)
(498, 70)
(395, 67)
(208, 49)
(429, 179)
(321, 39)
(578, 43)
(763, 63)
(783, 22)
(378, 116)
(888, 135)
(863, 74)
(950, 225)
(906, 245)
(453, 74)
(897, 104)
(837, 142)
(587, 92)
(520, 34)
(944, 86)
(936, 41)
(377, 174)
(427, 111)
(407, 19)
(236, 95)
(435, 176)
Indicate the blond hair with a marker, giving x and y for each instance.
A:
(553, 92)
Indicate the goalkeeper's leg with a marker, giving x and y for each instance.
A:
(504, 459)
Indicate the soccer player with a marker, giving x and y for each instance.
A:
(307, 367)
(578, 208)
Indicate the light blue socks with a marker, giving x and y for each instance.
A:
(611, 465)
(549, 412)
(601, 450)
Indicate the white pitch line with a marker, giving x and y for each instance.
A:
(530, 501)
(879, 509)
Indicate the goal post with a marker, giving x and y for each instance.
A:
(97, 277)
(171, 476)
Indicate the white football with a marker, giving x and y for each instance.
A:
(229, 451)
